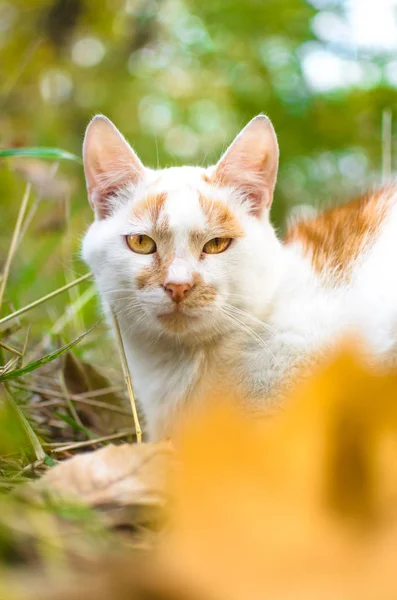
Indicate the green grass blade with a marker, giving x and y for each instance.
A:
(53, 294)
(27, 428)
(44, 360)
(51, 153)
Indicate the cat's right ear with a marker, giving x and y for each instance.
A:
(109, 164)
(250, 164)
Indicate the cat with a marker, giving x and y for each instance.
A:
(205, 292)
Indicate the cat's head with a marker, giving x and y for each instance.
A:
(180, 251)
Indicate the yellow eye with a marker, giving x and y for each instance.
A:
(141, 244)
(217, 245)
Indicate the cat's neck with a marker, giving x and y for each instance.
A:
(165, 374)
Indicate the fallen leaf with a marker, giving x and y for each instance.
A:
(300, 505)
(129, 474)
(80, 377)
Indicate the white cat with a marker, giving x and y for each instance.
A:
(207, 295)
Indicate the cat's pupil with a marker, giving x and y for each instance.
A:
(216, 242)
(140, 239)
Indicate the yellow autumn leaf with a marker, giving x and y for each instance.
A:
(299, 505)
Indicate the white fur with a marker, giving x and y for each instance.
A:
(272, 283)
(282, 312)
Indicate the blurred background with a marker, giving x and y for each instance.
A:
(180, 79)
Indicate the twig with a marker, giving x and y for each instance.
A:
(127, 377)
(56, 401)
(76, 445)
(53, 294)
(67, 253)
(36, 203)
(59, 399)
(30, 467)
(84, 398)
(71, 310)
(64, 319)
(13, 350)
(68, 400)
(8, 366)
(91, 394)
(25, 345)
(14, 241)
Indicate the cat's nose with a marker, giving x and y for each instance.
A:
(178, 291)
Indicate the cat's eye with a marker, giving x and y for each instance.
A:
(141, 244)
(217, 245)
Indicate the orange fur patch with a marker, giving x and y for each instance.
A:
(221, 220)
(152, 206)
(201, 294)
(153, 275)
(335, 239)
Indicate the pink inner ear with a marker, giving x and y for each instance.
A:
(250, 179)
(109, 164)
(108, 183)
(250, 164)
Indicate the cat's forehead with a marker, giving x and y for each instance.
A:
(182, 188)
(174, 197)
(180, 201)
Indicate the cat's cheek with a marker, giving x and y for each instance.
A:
(94, 253)
(216, 271)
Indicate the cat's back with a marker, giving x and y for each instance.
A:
(338, 241)
(352, 248)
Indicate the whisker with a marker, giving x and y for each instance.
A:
(135, 324)
(116, 291)
(124, 304)
(249, 331)
(127, 311)
(245, 297)
(255, 319)
(130, 298)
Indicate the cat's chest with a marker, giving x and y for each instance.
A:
(165, 379)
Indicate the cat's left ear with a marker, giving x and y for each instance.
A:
(109, 164)
(250, 164)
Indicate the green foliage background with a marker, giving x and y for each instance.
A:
(179, 78)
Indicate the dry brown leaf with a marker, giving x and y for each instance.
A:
(81, 377)
(129, 474)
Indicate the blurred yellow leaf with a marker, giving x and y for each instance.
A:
(299, 505)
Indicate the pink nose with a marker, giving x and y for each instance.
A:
(178, 291)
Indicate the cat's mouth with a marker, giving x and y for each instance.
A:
(176, 314)
(177, 319)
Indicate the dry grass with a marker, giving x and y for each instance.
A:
(54, 403)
